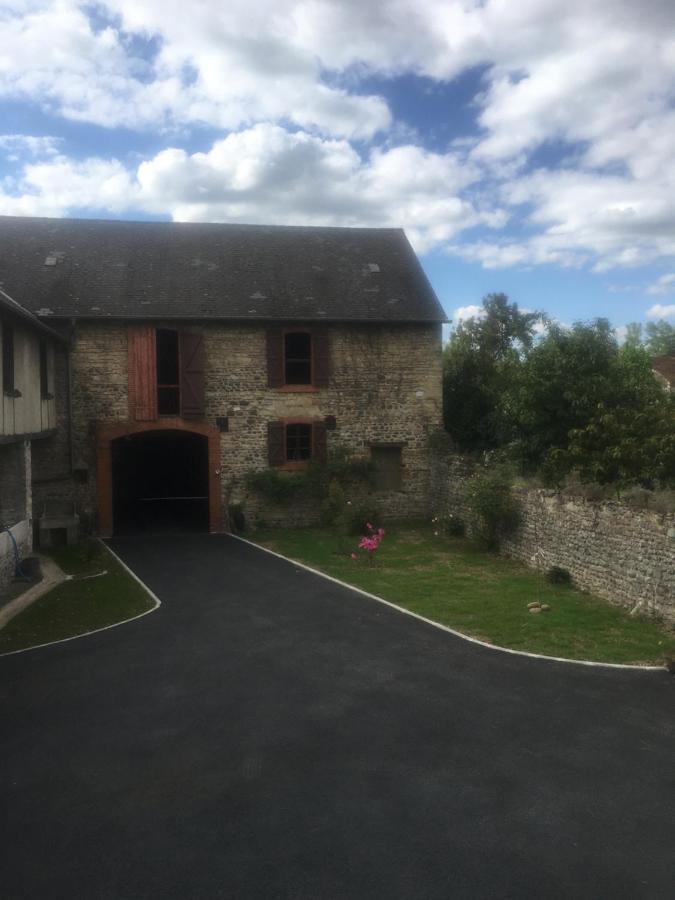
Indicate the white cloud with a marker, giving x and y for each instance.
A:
(467, 312)
(264, 174)
(594, 81)
(663, 285)
(18, 146)
(661, 312)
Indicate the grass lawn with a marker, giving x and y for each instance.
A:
(452, 581)
(75, 607)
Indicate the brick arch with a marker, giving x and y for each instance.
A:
(106, 434)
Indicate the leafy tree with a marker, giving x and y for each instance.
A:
(582, 403)
(480, 356)
(558, 388)
(660, 338)
(657, 337)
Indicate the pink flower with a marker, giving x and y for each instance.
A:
(369, 526)
(354, 556)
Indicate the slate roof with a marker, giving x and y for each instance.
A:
(9, 305)
(84, 268)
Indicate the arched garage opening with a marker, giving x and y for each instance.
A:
(160, 476)
(160, 482)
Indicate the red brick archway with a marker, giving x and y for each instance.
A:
(106, 434)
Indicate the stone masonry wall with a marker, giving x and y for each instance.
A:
(385, 387)
(15, 506)
(622, 554)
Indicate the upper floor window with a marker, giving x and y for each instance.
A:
(168, 372)
(7, 358)
(298, 359)
(44, 370)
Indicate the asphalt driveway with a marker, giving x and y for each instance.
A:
(268, 734)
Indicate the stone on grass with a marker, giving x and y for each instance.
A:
(535, 609)
(533, 605)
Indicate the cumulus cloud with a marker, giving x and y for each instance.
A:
(265, 174)
(589, 85)
(467, 312)
(18, 146)
(663, 285)
(658, 311)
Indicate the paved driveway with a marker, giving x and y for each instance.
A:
(269, 734)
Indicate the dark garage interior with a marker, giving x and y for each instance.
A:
(160, 482)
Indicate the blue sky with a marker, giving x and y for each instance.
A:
(527, 148)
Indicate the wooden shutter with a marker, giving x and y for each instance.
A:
(191, 375)
(276, 443)
(319, 442)
(142, 372)
(275, 358)
(320, 357)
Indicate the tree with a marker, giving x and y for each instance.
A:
(582, 403)
(660, 338)
(481, 354)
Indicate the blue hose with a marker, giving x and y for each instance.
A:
(18, 571)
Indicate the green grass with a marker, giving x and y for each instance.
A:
(453, 582)
(75, 607)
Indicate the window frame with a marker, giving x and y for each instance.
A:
(306, 386)
(160, 386)
(44, 353)
(318, 442)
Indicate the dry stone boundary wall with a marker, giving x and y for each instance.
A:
(622, 554)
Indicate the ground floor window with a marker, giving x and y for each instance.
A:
(298, 442)
(293, 443)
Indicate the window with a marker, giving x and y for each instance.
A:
(166, 373)
(388, 467)
(298, 360)
(291, 444)
(7, 358)
(298, 442)
(44, 371)
(168, 369)
(297, 357)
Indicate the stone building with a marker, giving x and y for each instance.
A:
(197, 354)
(27, 417)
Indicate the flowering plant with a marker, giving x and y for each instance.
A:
(371, 541)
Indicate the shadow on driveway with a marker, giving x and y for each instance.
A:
(269, 734)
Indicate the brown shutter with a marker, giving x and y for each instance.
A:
(191, 375)
(320, 357)
(319, 442)
(275, 357)
(276, 443)
(142, 372)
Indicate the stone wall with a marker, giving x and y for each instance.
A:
(15, 506)
(385, 387)
(622, 554)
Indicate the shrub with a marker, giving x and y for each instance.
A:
(237, 518)
(493, 507)
(558, 575)
(356, 517)
(334, 504)
(449, 524)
